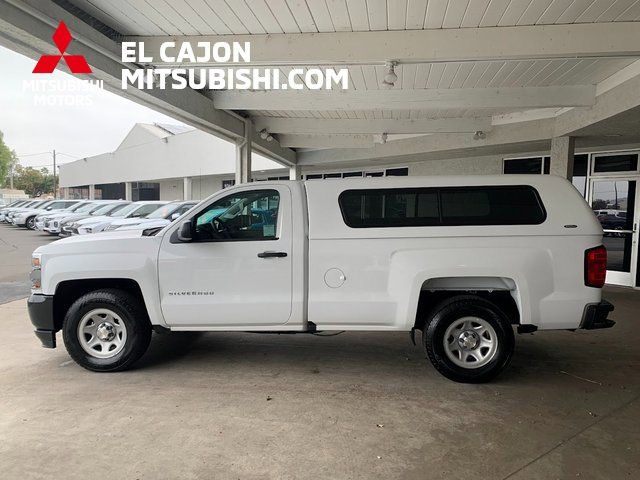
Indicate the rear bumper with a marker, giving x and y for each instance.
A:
(41, 314)
(595, 316)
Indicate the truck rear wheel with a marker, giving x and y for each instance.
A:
(106, 330)
(468, 339)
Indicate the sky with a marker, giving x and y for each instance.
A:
(75, 131)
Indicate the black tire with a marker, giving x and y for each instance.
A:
(452, 310)
(30, 223)
(132, 314)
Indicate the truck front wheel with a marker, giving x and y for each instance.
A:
(468, 339)
(106, 330)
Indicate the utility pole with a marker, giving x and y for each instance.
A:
(11, 176)
(55, 193)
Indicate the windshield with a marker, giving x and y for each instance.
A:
(123, 212)
(74, 207)
(44, 204)
(165, 211)
(86, 208)
(104, 209)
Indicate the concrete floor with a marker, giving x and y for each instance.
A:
(357, 405)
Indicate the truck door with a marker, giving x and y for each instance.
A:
(237, 270)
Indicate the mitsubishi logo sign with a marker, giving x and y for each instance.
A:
(76, 63)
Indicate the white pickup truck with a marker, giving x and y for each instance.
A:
(464, 260)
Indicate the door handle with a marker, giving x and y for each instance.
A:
(272, 254)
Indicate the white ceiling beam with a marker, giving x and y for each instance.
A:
(305, 140)
(373, 126)
(511, 138)
(397, 99)
(615, 39)
(26, 26)
(613, 102)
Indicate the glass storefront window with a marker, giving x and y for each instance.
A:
(580, 169)
(613, 205)
(627, 162)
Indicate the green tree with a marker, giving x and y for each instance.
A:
(33, 182)
(8, 159)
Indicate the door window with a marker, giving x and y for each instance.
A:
(613, 204)
(249, 215)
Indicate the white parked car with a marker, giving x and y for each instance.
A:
(101, 208)
(162, 217)
(54, 223)
(136, 210)
(43, 218)
(6, 208)
(10, 212)
(464, 260)
(27, 218)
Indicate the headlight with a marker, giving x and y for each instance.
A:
(36, 273)
(112, 227)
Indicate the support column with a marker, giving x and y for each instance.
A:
(243, 155)
(65, 193)
(92, 192)
(562, 151)
(187, 183)
(294, 172)
(128, 191)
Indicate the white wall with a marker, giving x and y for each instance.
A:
(201, 187)
(189, 154)
(491, 165)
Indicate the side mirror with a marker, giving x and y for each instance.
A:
(185, 232)
(175, 215)
(49, 209)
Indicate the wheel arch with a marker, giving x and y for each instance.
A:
(68, 291)
(501, 291)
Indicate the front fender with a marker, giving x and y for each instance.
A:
(131, 258)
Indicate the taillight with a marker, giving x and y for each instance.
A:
(595, 266)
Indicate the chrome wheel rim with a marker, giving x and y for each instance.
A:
(102, 333)
(470, 342)
(31, 223)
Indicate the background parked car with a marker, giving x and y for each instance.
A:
(43, 218)
(27, 218)
(162, 217)
(16, 204)
(6, 211)
(134, 210)
(103, 208)
(30, 206)
(53, 226)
